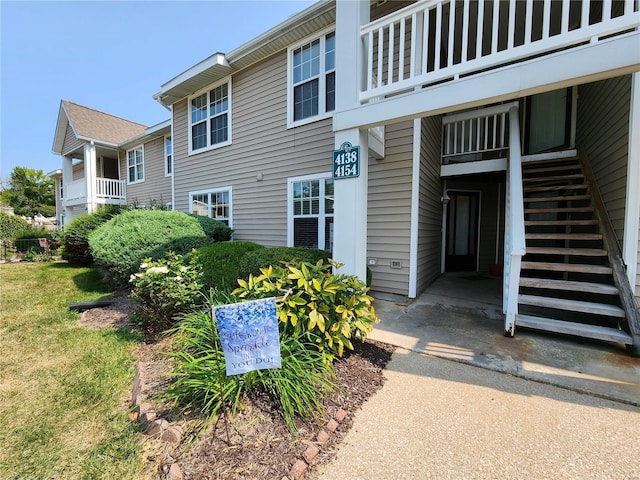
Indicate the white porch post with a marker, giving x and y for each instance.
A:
(632, 208)
(350, 194)
(90, 175)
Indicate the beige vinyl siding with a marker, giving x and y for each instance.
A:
(78, 171)
(155, 190)
(389, 210)
(603, 133)
(430, 210)
(261, 144)
(71, 143)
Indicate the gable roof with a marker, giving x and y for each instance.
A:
(92, 125)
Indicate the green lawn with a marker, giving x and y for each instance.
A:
(63, 388)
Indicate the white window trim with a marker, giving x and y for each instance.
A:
(321, 92)
(290, 182)
(214, 190)
(164, 149)
(228, 81)
(129, 182)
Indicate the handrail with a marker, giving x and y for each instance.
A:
(515, 246)
(426, 42)
(611, 244)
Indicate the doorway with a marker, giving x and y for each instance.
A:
(549, 121)
(463, 220)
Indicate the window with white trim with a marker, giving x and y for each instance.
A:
(210, 118)
(212, 203)
(135, 165)
(311, 210)
(312, 79)
(168, 157)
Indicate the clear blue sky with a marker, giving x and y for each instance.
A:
(108, 55)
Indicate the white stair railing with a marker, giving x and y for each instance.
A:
(437, 40)
(515, 246)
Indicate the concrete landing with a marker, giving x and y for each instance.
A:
(459, 317)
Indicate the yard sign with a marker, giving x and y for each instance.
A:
(249, 335)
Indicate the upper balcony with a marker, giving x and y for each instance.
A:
(107, 191)
(436, 41)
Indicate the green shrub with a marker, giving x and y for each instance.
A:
(214, 229)
(327, 309)
(165, 289)
(33, 233)
(200, 382)
(11, 226)
(220, 263)
(120, 245)
(76, 235)
(277, 256)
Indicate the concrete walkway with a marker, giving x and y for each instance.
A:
(462, 401)
(440, 419)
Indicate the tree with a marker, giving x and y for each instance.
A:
(30, 192)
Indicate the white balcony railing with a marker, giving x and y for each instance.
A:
(107, 190)
(466, 136)
(111, 189)
(76, 190)
(437, 40)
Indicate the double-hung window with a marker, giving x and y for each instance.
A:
(312, 79)
(135, 165)
(210, 118)
(215, 203)
(311, 212)
(168, 157)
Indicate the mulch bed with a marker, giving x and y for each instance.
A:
(255, 443)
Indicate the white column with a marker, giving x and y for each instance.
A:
(350, 211)
(350, 201)
(90, 175)
(632, 208)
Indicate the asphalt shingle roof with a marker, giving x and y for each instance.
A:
(103, 127)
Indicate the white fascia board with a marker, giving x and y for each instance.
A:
(61, 126)
(55, 173)
(97, 142)
(217, 59)
(605, 59)
(157, 130)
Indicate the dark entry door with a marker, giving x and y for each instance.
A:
(462, 231)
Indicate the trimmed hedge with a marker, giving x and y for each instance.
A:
(76, 234)
(11, 226)
(252, 262)
(120, 245)
(215, 229)
(220, 263)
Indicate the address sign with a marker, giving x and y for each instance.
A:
(346, 162)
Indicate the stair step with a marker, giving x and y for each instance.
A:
(561, 198)
(567, 267)
(559, 210)
(603, 309)
(534, 223)
(583, 252)
(571, 286)
(577, 329)
(555, 168)
(553, 178)
(563, 236)
(580, 186)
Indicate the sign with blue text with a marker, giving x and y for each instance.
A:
(249, 335)
(346, 162)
